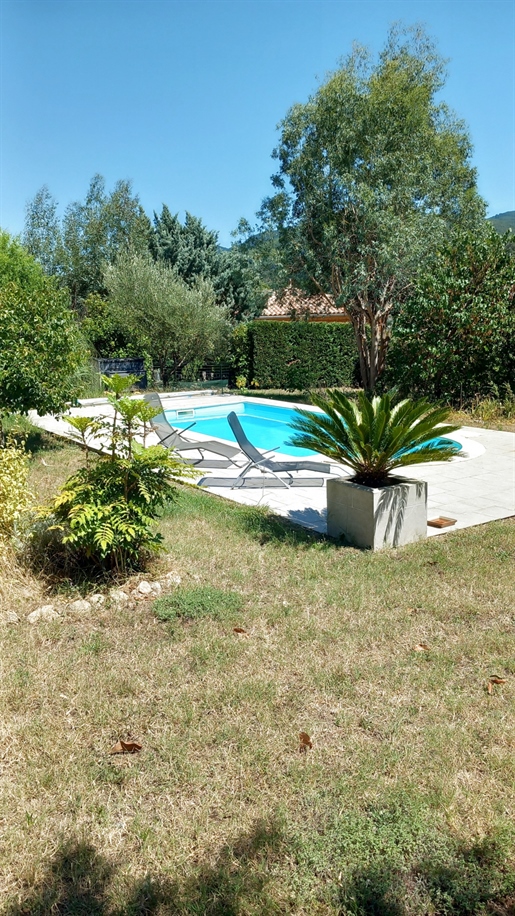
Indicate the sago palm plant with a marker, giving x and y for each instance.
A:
(374, 436)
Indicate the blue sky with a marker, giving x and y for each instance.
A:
(184, 98)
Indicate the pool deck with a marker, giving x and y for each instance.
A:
(475, 488)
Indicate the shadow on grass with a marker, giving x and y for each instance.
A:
(456, 880)
(80, 882)
(476, 882)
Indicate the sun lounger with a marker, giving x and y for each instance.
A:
(259, 461)
(172, 437)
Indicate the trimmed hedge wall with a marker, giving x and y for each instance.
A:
(302, 354)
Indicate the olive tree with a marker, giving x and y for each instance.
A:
(175, 323)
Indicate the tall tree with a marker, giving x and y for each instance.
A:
(176, 324)
(42, 232)
(97, 230)
(193, 252)
(373, 172)
(191, 249)
(40, 346)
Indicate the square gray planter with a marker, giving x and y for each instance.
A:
(375, 517)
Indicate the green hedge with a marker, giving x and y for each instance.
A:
(302, 354)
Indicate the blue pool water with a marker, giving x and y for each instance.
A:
(266, 425)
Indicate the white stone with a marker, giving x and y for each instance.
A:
(97, 599)
(376, 517)
(172, 578)
(45, 612)
(146, 589)
(118, 596)
(81, 606)
(9, 617)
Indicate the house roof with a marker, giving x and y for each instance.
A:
(293, 304)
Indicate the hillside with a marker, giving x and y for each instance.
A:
(503, 221)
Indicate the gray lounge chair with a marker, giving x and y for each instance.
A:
(172, 437)
(274, 467)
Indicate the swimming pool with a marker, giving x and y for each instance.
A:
(267, 426)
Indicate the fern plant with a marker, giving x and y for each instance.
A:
(374, 436)
(107, 509)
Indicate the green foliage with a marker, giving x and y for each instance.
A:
(301, 354)
(193, 252)
(241, 350)
(455, 338)
(40, 349)
(175, 323)
(92, 233)
(193, 603)
(105, 511)
(107, 335)
(42, 235)
(18, 266)
(374, 436)
(15, 498)
(373, 170)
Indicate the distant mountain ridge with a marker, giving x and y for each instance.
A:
(503, 221)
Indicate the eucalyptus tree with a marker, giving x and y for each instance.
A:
(373, 172)
(42, 236)
(96, 230)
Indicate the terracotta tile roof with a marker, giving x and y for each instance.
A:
(293, 304)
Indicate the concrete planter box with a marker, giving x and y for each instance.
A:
(388, 516)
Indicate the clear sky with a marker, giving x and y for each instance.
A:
(183, 97)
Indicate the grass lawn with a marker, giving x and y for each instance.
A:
(403, 806)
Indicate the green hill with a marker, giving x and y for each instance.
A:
(503, 221)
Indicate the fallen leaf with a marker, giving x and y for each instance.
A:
(494, 679)
(421, 647)
(489, 687)
(125, 747)
(240, 630)
(305, 742)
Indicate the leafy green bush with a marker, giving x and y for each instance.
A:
(455, 339)
(302, 354)
(15, 498)
(105, 511)
(202, 601)
(40, 349)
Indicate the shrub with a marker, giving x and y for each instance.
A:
(193, 603)
(106, 510)
(455, 339)
(15, 498)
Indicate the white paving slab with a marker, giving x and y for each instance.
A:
(474, 488)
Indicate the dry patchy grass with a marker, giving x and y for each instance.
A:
(404, 805)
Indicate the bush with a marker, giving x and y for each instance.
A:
(15, 498)
(302, 354)
(106, 510)
(193, 603)
(455, 339)
(40, 349)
